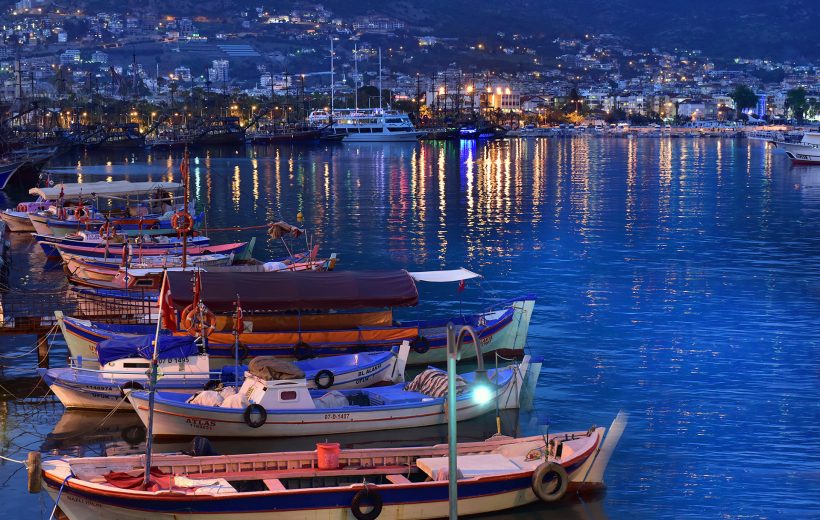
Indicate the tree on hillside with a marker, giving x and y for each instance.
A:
(744, 97)
(576, 101)
(796, 102)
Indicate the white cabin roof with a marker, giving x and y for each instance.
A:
(454, 275)
(88, 189)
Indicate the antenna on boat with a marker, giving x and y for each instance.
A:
(152, 387)
(238, 326)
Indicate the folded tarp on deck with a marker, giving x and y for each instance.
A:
(305, 290)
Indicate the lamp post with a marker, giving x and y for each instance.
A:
(455, 340)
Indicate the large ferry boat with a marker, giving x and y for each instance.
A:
(807, 151)
(365, 125)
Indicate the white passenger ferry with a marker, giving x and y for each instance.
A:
(366, 125)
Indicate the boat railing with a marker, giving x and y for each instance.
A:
(74, 365)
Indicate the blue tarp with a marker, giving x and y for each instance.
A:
(170, 347)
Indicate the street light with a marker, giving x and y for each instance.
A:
(481, 395)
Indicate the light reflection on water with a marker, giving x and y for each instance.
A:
(678, 279)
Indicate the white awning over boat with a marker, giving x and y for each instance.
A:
(454, 275)
(90, 189)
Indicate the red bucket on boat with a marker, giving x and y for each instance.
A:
(327, 455)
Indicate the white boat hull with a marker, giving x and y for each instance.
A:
(40, 225)
(79, 509)
(177, 419)
(800, 153)
(17, 221)
(386, 137)
(513, 336)
(485, 493)
(96, 398)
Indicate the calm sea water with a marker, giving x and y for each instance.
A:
(678, 280)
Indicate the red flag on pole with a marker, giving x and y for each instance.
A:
(239, 324)
(183, 169)
(197, 288)
(461, 286)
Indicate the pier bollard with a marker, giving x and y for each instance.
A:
(34, 467)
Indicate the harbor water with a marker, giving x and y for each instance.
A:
(677, 280)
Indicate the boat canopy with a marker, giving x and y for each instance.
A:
(301, 290)
(102, 188)
(455, 275)
(120, 347)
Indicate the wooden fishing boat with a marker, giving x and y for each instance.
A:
(139, 274)
(287, 408)
(7, 170)
(114, 246)
(185, 367)
(295, 315)
(137, 253)
(147, 225)
(139, 205)
(391, 483)
(276, 325)
(17, 220)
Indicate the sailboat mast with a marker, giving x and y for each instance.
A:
(356, 77)
(152, 390)
(332, 79)
(380, 79)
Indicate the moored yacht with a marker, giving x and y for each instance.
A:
(366, 125)
(807, 151)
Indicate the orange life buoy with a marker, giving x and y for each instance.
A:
(196, 324)
(182, 222)
(108, 231)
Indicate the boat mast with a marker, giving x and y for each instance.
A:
(152, 389)
(185, 172)
(380, 80)
(332, 92)
(355, 78)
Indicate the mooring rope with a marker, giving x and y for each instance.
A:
(59, 494)
(239, 228)
(13, 460)
(36, 346)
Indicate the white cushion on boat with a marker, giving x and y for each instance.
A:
(438, 468)
(235, 401)
(332, 399)
(206, 398)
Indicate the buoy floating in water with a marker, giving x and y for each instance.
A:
(300, 217)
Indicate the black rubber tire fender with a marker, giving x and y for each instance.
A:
(543, 490)
(324, 374)
(250, 410)
(302, 351)
(420, 345)
(130, 385)
(372, 496)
